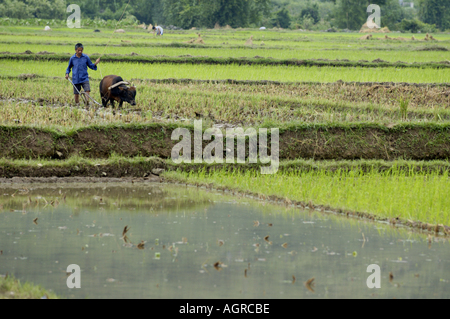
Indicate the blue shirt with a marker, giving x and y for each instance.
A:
(79, 68)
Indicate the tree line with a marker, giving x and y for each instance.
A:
(307, 14)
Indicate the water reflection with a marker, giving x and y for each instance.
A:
(184, 242)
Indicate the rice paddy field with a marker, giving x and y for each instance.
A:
(335, 98)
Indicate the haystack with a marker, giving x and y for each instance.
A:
(366, 37)
(249, 41)
(430, 37)
(199, 39)
(120, 31)
(376, 29)
(47, 28)
(150, 28)
(217, 26)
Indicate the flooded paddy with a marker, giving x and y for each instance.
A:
(185, 242)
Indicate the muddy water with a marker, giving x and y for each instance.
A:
(200, 244)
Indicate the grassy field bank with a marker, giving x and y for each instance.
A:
(315, 141)
(12, 288)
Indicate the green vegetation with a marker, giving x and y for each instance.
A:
(351, 112)
(188, 51)
(293, 14)
(409, 190)
(282, 73)
(12, 288)
(393, 193)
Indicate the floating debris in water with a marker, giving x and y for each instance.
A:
(35, 221)
(220, 242)
(309, 284)
(124, 236)
(284, 245)
(110, 280)
(125, 230)
(219, 265)
(314, 250)
(391, 277)
(141, 245)
(256, 223)
(62, 228)
(106, 235)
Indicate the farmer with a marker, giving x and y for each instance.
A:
(159, 30)
(80, 78)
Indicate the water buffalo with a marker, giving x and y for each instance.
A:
(113, 88)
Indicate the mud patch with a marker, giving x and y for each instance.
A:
(432, 48)
(26, 76)
(78, 179)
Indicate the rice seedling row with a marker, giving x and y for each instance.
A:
(408, 196)
(241, 61)
(301, 53)
(130, 70)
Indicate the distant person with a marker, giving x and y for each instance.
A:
(79, 63)
(159, 30)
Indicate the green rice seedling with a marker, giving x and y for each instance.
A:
(394, 193)
(130, 70)
(403, 108)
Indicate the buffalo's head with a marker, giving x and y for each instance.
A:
(128, 94)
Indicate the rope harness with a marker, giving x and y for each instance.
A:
(108, 94)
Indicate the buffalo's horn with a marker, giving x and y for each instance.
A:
(117, 84)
